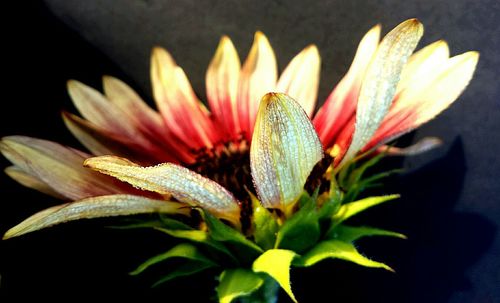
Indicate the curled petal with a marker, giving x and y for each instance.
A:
(258, 77)
(380, 82)
(222, 86)
(284, 150)
(340, 106)
(95, 207)
(182, 112)
(59, 167)
(170, 179)
(422, 146)
(300, 79)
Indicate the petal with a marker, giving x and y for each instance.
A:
(97, 109)
(222, 86)
(424, 102)
(58, 166)
(170, 179)
(300, 79)
(340, 106)
(422, 146)
(30, 181)
(258, 77)
(95, 207)
(182, 112)
(284, 150)
(380, 82)
(101, 142)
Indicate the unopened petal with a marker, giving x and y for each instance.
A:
(95, 207)
(258, 77)
(380, 82)
(170, 179)
(222, 86)
(284, 150)
(300, 79)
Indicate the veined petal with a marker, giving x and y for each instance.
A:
(380, 82)
(170, 179)
(284, 150)
(97, 109)
(300, 79)
(222, 86)
(424, 102)
(31, 181)
(182, 112)
(101, 142)
(59, 167)
(95, 207)
(341, 104)
(258, 77)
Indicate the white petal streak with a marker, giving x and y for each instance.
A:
(381, 80)
(170, 179)
(95, 207)
(284, 150)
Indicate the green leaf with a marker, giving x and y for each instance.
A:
(301, 231)
(163, 222)
(352, 233)
(221, 232)
(199, 236)
(185, 269)
(350, 209)
(338, 250)
(264, 224)
(276, 263)
(183, 250)
(237, 282)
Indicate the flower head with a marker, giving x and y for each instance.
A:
(261, 137)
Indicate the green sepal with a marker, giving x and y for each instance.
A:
(223, 233)
(336, 249)
(265, 226)
(350, 209)
(199, 236)
(352, 233)
(234, 283)
(186, 269)
(276, 263)
(302, 230)
(183, 250)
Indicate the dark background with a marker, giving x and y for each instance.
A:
(450, 208)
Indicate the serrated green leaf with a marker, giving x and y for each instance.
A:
(338, 250)
(186, 269)
(199, 236)
(264, 225)
(276, 263)
(223, 233)
(352, 233)
(236, 283)
(350, 209)
(301, 231)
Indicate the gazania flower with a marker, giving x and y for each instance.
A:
(260, 141)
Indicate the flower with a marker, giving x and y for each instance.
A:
(246, 144)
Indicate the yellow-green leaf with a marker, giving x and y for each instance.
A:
(352, 233)
(350, 209)
(276, 263)
(236, 283)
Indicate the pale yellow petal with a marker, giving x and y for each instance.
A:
(170, 179)
(31, 181)
(284, 150)
(95, 207)
(222, 86)
(300, 79)
(258, 77)
(380, 82)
